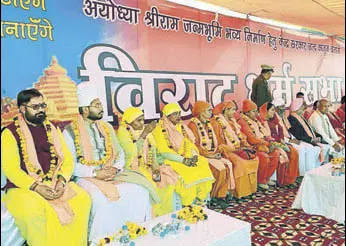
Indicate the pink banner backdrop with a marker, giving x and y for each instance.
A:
(154, 52)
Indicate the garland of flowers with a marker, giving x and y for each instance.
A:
(53, 158)
(140, 152)
(108, 144)
(239, 133)
(164, 132)
(260, 126)
(280, 146)
(336, 161)
(192, 214)
(134, 230)
(227, 135)
(246, 118)
(202, 132)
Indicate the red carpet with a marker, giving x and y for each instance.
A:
(275, 223)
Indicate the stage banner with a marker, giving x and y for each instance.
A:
(152, 52)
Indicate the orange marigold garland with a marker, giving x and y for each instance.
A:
(53, 157)
(134, 230)
(108, 145)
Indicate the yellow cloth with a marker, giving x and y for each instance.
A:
(131, 114)
(197, 181)
(10, 161)
(130, 148)
(35, 218)
(171, 108)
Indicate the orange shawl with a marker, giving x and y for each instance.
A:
(108, 188)
(175, 137)
(168, 175)
(60, 205)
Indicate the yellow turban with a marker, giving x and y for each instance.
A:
(171, 108)
(132, 114)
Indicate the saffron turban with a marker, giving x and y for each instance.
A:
(199, 107)
(296, 104)
(86, 93)
(131, 114)
(218, 109)
(171, 108)
(248, 105)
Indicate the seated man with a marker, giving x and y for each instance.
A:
(301, 130)
(99, 170)
(308, 154)
(287, 172)
(319, 121)
(237, 150)
(47, 208)
(176, 143)
(268, 156)
(209, 147)
(141, 156)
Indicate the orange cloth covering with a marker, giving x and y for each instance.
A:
(287, 171)
(268, 162)
(222, 169)
(248, 105)
(244, 166)
(340, 112)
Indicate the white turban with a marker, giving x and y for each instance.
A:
(278, 101)
(86, 93)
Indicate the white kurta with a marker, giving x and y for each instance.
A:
(321, 124)
(107, 217)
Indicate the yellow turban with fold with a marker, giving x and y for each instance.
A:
(132, 114)
(171, 108)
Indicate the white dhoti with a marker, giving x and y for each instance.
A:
(107, 217)
(308, 157)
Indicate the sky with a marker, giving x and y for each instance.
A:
(72, 33)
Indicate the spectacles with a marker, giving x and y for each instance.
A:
(36, 106)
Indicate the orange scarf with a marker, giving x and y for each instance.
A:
(175, 137)
(61, 207)
(304, 125)
(168, 175)
(209, 142)
(285, 125)
(108, 188)
(255, 126)
(229, 129)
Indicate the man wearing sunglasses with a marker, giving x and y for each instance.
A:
(47, 208)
